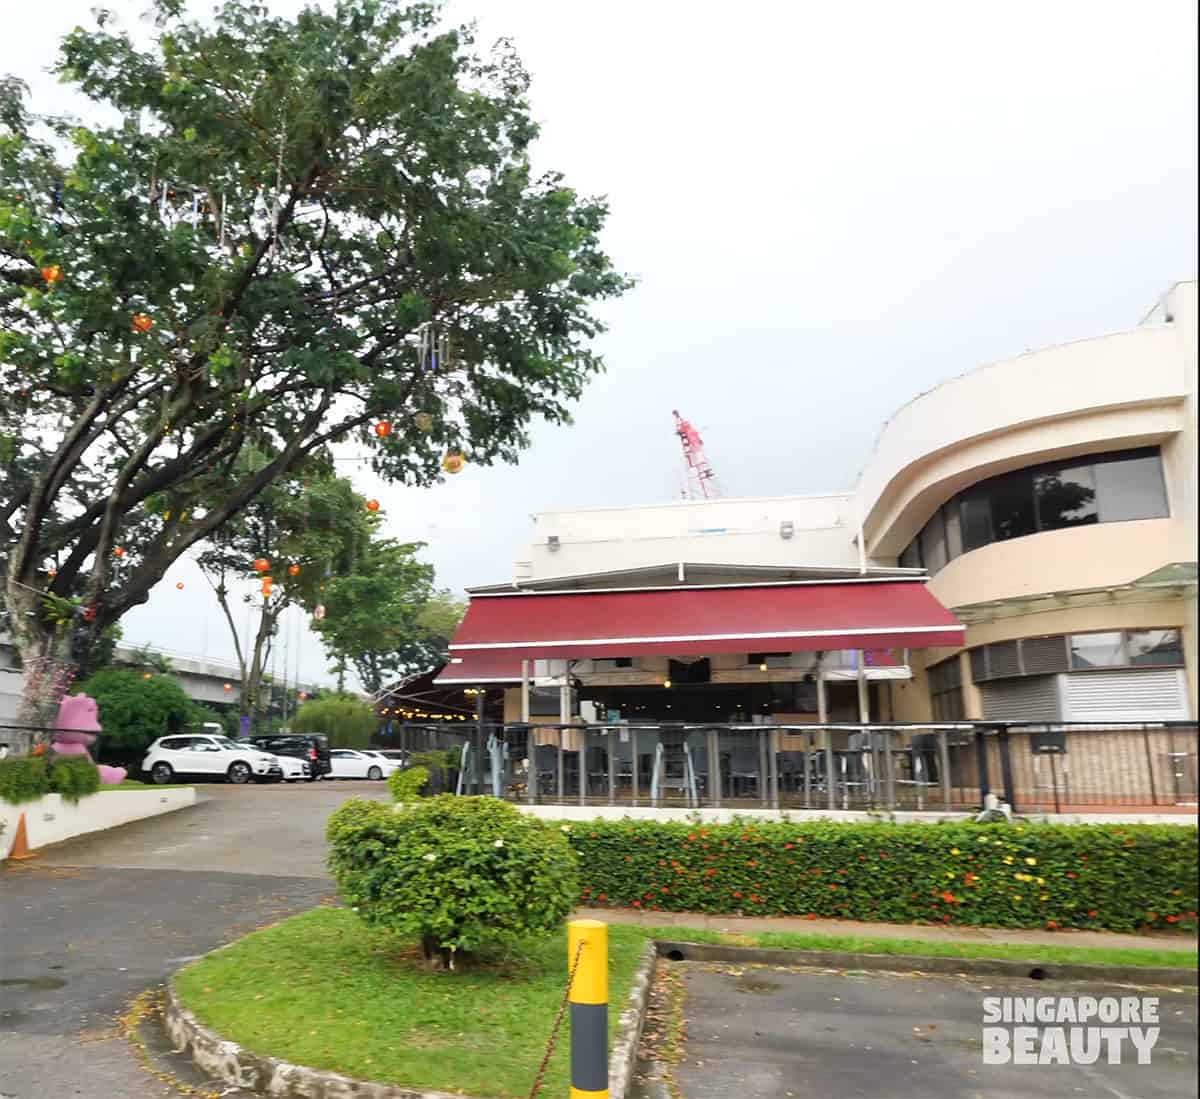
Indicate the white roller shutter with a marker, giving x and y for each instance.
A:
(1153, 694)
(1032, 698)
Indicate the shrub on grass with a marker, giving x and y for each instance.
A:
(1115, 877)
(74, 777)
(406, 785)
(460, 874)
(23, 780)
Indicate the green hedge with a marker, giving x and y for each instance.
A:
(23, 779)
(74, 777)
(1115, 877)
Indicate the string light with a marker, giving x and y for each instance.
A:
(383, 429)
(372, 505)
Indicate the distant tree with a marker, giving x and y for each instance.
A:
(348, 722)
(135, 710)
(373, 615)
(308, 528)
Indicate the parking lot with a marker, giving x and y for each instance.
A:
(774, 1033)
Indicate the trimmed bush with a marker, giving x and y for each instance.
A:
(406, 785)
(460, 874)
(74, 777)
(23, 780)
(1116, 877)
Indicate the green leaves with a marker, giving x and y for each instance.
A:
(465, 873)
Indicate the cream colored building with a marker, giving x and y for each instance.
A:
(1050, 499)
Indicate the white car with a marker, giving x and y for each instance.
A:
(211, 756)
(291, 769)
(347, 763)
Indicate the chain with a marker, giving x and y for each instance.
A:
(553, 1041)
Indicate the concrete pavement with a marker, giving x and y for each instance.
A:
(770, 1033)
(91, 923)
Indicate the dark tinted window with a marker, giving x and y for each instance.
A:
(1101, 488)
(1131, 488)
(1150, 647)
(1066, 497)
(976, 519)
(1012, 505)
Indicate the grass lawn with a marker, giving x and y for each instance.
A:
(325, 990)
(1080, 955)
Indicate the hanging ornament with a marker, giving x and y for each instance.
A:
(261, 564)
(52, 273)
(319, 612)
(293, 570)
(266, 585)
(423, 420)
(372, 505)
(179, 586)
(453, 462)
(118, 551)
(383, 429)
(141, 322)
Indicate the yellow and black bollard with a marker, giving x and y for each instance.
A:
(587, 954)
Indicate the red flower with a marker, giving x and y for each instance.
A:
(948, 897)
(1072, 874)
(788, 846)
(833, 886)
(1052, 925)
(862, 858)
(883, 854)
(664, 888)
(637, 904)
(691, 837)
(738, 896)
(1092, 914)
(810, 915)
(1172, 919)
(601, 897)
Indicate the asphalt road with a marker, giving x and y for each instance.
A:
(766, 1033)
(91, 923)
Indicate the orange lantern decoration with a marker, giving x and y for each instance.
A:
(261, 564)
(118, 551)
(266, 586)
(372, 505)
(141, 322)
(423, 420)
(179, 586)
(293, 570)
(453, 462)
(227, 687)
(51, 274)
(383, 429)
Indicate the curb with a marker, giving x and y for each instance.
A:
(683, 951)
(256, 1072)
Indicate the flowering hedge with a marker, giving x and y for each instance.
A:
(1115, 877)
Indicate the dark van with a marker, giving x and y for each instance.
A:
(312, 747)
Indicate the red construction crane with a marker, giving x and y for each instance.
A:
(700, 479)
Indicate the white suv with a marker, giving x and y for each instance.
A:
(213, 756)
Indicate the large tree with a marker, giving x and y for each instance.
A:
(301, 229)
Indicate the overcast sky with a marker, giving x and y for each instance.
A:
(828, 207)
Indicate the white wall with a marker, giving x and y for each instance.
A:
(50, 819)
(743, 531)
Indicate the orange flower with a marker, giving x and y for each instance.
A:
(810, 915)
(1052, 925)
(737, 896)
(637, 904)
(948, 897)
(1172, 919)
(788, 846)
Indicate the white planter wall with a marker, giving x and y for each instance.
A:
(50, 819)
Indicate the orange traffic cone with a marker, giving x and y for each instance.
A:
(20, 847)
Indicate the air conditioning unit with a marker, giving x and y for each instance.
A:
(787, 528)
(553, 543)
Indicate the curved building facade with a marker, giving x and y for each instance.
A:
(1051, 499)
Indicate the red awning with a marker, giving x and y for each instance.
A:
(856, 614)
(486, 666)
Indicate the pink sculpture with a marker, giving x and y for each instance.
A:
(75, 731)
